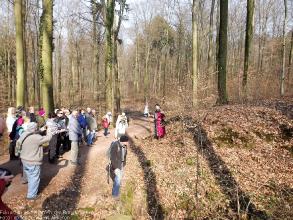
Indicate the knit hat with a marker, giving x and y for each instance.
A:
(42, 112)
(123, 138)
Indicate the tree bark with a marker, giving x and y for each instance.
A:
(290, 56)
(194, 56)
(46, 53)
(222, 54)
(59, 70)
(248, 39)
(20, 69)
(110, 5)
(282, 89)
(211, 33)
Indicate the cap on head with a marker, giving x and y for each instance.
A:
(158, 107)
(123, 138)
(31, 127)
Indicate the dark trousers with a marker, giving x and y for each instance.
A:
(12, 150)
(105, 131)
(66, 143)
(52, 148)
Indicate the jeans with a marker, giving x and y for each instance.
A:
(74, 151)
(33, 173)
(90, 137)
(117, 182)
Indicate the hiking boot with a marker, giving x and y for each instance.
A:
(24, 181)
(33, 198)
(74, 163)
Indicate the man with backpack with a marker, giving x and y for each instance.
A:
(29, 146)
(117, 155)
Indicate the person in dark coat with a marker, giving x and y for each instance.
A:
(117, 153)
(32, 115)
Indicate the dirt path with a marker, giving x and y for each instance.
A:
(67, 191)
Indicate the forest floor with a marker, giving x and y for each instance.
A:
(228, 162)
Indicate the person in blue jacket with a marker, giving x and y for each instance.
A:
(83, 123)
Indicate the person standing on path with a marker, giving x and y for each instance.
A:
(32, 115)
(159, 122)
(30, 147)
(105, 124)
(117, 155)
(121, 125)
(82, 122)
(75, 135)
(91, 126)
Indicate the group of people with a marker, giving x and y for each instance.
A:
(64, 130)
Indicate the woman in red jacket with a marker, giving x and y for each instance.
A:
(5, 180)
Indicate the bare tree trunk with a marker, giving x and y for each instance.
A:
(110, 6)
(47, 49)
(146, 74)
(282, 89)
(222, 54)
(194, 56)
(248, 39)
(290, 56)
(136, 76)
(20, 100)
(59, 69)
(211, 33)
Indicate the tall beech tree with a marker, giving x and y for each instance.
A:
(46, 55)
(248, 39)
(110, 7)
(222, 53)
(194, 56)
(20, 68)
(282, 89)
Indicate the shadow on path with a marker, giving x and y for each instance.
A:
(62, 205)
(239, 200)
(155, 209)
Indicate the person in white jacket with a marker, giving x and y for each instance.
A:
(11, 118)
(121, 125)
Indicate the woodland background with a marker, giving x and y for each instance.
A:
(154, 52)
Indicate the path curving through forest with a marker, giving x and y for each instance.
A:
(68, 191)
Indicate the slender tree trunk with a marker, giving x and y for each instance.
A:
(222, 54)
(248, 39)
(59, 70)
(47, 49)
(194, 56)
(95, 69)
(211, 33)
(20, 69)
(110, 6)
(146, 74)
(136, 76)
(282, 89)
(290, 56)
(25, 49)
